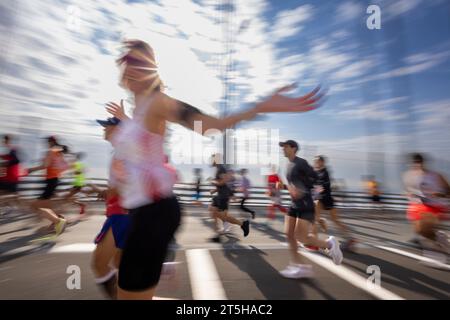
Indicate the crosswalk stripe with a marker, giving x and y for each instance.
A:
(416, 257)
(205, 280)
(74, 248)
(351, 277)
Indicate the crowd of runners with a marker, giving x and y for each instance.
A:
(143, 212)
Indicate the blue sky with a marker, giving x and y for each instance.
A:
(388, 88)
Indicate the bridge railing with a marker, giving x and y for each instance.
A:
(32, 186)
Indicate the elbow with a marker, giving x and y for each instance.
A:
(213, 130)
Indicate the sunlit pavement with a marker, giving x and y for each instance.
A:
(238, 268)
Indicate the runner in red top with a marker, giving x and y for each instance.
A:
(111, 239)
(9, 174)
(274, 186)
(10, 167)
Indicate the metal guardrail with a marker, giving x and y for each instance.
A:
(32, 186)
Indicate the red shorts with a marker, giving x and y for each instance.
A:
(415, 211)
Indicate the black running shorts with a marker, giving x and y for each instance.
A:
(50, 187)
(220, 203)
(151, 229)
(376, 198)
(327, 202)
(10, 187)
(303, 209)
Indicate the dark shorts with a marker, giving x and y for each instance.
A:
(376, 198)
(151, 229)
(327, 202)
(119, 224)
(220, 203)
(50, 187)
(8, 186)
(303, 209)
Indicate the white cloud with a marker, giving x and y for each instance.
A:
(340, 34)
(415, 63)
(58, 79)
(288, 22)
(384, 142)
(349, 10)
(354, 69)
(433, 115)
(383, 110)
(399, 7)
(325, 58)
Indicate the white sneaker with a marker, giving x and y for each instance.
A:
(335, 251)
(442, 240)
(226, 227)
(298, 271)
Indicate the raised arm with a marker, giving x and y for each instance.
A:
(45, 164)
(182, 113)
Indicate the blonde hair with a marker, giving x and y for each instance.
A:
(144, 59)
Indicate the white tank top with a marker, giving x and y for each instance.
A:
(145, 179)
(423, 186)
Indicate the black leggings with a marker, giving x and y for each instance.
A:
(244, 208)
(152, 228)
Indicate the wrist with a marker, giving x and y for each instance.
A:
(252, 113)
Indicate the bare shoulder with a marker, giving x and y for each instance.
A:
(164, 104)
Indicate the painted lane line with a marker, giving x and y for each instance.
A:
(351, 277)
(205, 281)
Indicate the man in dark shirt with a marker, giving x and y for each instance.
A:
(197, 184)
(219, 205)
(301, 215)
(325, 201)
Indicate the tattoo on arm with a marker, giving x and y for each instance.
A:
(186, 112)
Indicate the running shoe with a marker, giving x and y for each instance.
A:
(442, 240)
(60, 226)
(335, 251)
(298, 271)
(215, 239)
(349, 245)
(246, 227)
(226, 227)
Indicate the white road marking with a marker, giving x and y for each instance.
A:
(74, 248)
(429, 261)
(5, 268)
(205, 280)
(351, 277)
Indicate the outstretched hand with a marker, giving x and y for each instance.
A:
(280, 103)
(116, 110)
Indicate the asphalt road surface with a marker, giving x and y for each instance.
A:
(238, 268)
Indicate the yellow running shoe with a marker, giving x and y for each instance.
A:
(60, 226)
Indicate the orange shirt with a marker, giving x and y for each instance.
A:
(56, 164)
(373, 188)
